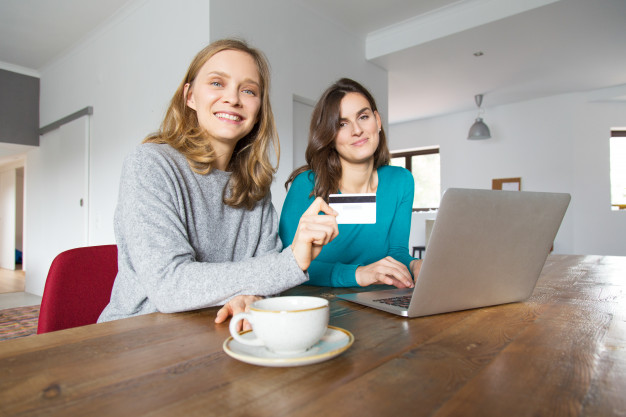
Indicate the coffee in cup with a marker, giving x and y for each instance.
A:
(284, 325)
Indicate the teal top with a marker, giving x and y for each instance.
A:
(357, 244)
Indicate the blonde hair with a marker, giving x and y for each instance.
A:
(252, 170)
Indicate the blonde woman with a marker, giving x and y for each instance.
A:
(194, 224)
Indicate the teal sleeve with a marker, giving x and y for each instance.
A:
(401, 224)
(296, 203)
(355, 246)
(331, 274)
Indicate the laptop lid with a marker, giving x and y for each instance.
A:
(486, 247)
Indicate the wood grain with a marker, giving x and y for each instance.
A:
(561, 353)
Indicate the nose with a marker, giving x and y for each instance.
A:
(356, 128)
(231, 96)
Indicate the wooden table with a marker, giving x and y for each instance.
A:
(562, 353)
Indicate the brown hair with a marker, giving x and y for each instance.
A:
(321, 155)
(252, 170)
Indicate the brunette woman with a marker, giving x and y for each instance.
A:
(347, 153)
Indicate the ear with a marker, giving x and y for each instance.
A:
(378, 121)
(190, 100)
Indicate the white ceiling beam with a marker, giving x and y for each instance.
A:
(457, 17)
(19, 69)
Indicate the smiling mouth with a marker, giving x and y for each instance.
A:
(360, 142)
(233, 117)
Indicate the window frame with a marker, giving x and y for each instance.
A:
(615, 133)
(407, 155)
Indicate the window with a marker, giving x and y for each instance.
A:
(618, 169)
(424, 165)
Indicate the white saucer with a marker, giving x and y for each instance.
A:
(334, 342)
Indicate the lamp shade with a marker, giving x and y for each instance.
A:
(479, 130)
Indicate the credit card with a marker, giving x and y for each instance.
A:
(354, 208)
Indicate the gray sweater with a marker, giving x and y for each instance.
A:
(181, 248)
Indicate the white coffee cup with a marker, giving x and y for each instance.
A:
(284, 325)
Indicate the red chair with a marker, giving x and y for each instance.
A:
(78, 287)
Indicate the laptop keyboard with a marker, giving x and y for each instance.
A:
(402, 301)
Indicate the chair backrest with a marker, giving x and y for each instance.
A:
(78, 287)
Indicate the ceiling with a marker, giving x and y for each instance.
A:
(537, 49)
(530, 49)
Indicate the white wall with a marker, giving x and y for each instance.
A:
(57, 213)
(306, 52)
(558, 143)
(127, 70)
(597, 229)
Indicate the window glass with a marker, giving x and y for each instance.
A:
(426, 173)
(398, 162)
(425, 166)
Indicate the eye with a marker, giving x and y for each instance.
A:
(364, 117)
(342, 124)
(216, 84)
(249, 92)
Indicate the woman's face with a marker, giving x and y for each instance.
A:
(357, 137)
(226, 95)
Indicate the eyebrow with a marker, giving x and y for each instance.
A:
(225, 75)
(360, 112)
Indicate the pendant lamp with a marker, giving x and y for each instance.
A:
(479, 129)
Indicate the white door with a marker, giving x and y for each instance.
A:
(7, 218)
(56, 199)
(301, 121)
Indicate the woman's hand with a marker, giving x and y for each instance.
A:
(314, 231)
(416, 266)
(238, 304)
(386, 271)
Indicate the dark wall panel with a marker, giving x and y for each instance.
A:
(19, 108)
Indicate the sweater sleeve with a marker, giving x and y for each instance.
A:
(152, 222)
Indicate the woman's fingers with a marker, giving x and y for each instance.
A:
(392, 269)
(238, 304)
(393, 276)
(317, 233)
(386, 271)
(222, 314)
(314, 231)
(402, 270)
(320, 205)
(321, 223)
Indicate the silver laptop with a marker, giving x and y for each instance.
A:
(486, 248)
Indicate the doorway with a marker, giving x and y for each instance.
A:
(57, 191)
(302, 111)
(11, 227)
